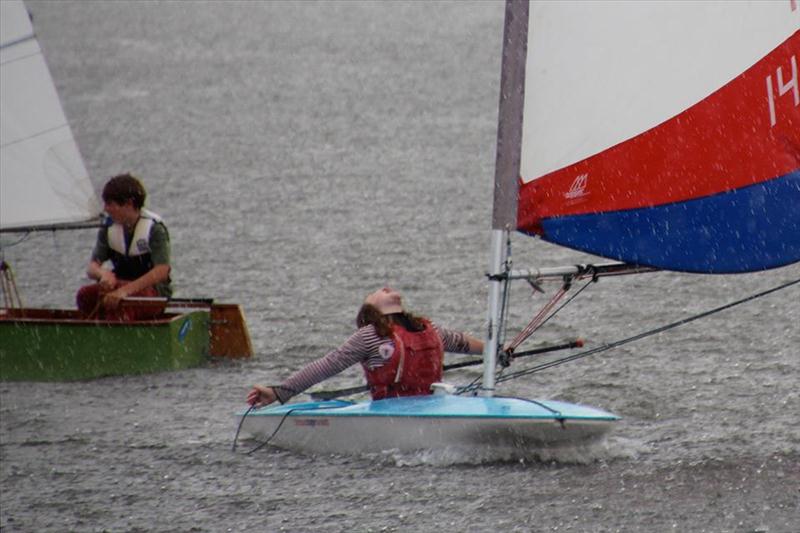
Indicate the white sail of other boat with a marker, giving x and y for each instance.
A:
(44, 185)
(43, 180)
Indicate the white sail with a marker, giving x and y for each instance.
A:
(661, 134)
(646, 123)
(43, 180)
(600, 73)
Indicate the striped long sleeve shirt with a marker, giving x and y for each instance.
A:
(364, 346)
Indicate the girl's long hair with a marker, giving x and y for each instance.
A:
(369, 314)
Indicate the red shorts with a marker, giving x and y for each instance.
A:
(89, 304)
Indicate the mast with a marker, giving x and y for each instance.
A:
(507, 171)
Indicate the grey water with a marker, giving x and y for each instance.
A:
(304, 154)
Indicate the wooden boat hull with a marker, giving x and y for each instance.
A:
(58, 345)
(420, 423)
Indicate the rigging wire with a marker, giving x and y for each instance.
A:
(562, 306)
(27, 235)
(633, 338)
(537, 320)
(531, 328)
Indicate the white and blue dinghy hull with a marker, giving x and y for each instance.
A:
(425, 423)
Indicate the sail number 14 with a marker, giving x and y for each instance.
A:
(782, 88)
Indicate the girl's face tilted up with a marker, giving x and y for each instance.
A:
(386, 300)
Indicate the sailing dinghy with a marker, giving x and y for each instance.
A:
(44, 185)
(483, 426)
(663, 135)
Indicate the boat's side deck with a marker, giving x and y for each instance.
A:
(69, 317)
(443, 406)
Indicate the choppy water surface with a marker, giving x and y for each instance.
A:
(304, 154)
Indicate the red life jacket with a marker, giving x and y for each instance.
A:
(415, 364)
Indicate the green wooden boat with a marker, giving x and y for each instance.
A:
(59, 345)
(46, 187)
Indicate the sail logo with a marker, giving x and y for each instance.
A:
(578, 187)
(184, 330)
(782, 88)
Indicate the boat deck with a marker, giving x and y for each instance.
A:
(443, 406)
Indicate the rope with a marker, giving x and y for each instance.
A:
(239, 427)
(11, 296)
(250, 410)
(22, 239)
(96, 309)
(537, 320)
(472, 386)
(538, 403)
(633, 338)
(533, 326)
(261, 445)
(283, 419)
(280, 424)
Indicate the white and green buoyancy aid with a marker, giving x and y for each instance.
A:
(135, 261)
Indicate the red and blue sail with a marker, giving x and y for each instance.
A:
(714, 188)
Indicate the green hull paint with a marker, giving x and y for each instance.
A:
(58, 346)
